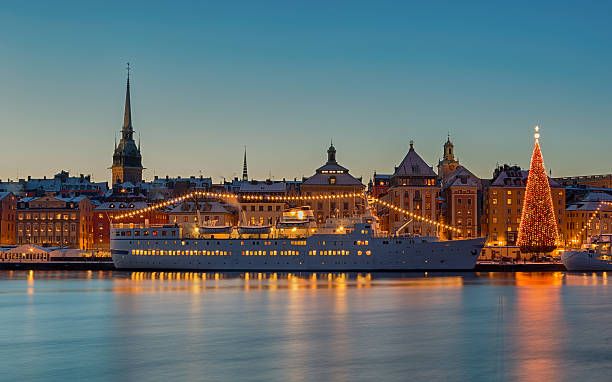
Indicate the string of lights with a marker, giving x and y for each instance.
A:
(413, 215)
(208, 194)
(588, 224)
(538, 227)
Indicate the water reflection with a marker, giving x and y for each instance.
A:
(136, 282)
(341, 326)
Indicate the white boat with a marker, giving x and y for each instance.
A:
(339, 245)
(595, 255)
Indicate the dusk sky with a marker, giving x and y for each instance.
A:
(286, 77)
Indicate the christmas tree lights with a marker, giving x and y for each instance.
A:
(538, 228)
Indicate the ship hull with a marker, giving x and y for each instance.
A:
(585, 261)
(317, 253)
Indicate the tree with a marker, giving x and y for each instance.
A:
(538, 227)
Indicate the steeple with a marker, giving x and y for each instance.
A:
(127, 130)
(245, 174)
(127, 160)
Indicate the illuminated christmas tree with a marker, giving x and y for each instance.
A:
(538, 228)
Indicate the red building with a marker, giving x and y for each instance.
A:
(104, 214)
(380, 185)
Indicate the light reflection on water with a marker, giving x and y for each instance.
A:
(305, 326)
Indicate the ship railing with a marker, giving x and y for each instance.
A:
(140, 226)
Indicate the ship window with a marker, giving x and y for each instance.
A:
(164, 233)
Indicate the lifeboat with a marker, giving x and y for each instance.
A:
(215, 229)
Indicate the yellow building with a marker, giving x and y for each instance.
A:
(504, 203)
(583, 219)
(333, 179)
(55, 221)
(212, 213)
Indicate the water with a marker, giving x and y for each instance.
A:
(101, 326)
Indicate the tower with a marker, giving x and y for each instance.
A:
(448, 164)
(245, 173)
(331, 154)
(127, 160)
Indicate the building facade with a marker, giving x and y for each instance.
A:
(211, 213)
(127, 160)
(504, 203)
(601, 181)
(415, 187)
(8, 209)
(104, 215)
(460, 192)
(55, 222)
(255, 208)
(333, 179)
(588, 217)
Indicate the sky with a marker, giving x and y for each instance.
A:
(286, 77)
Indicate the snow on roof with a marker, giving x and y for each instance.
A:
(120, 205)
(591, 202)
(413, 165)
(329, 171)
(461, 177)
(28, 248)
(262, 187)
(5, 194)
(205, 207)
(517, 178)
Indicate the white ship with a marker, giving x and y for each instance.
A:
(296, 243)
(595, 255)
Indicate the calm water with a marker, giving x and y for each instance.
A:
(322, 327)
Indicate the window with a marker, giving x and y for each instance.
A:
(185, 219)
(494, 201)
(469, 201)
(509, 201)
(494, 220)
(459, 201)
(261, 208)
(346, 205)
(269, 208)
(252, 208)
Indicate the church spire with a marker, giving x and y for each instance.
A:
(245, 174)
(127, 130)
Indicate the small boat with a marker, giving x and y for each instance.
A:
(595, 255)
(254, 229)
(215, 229)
